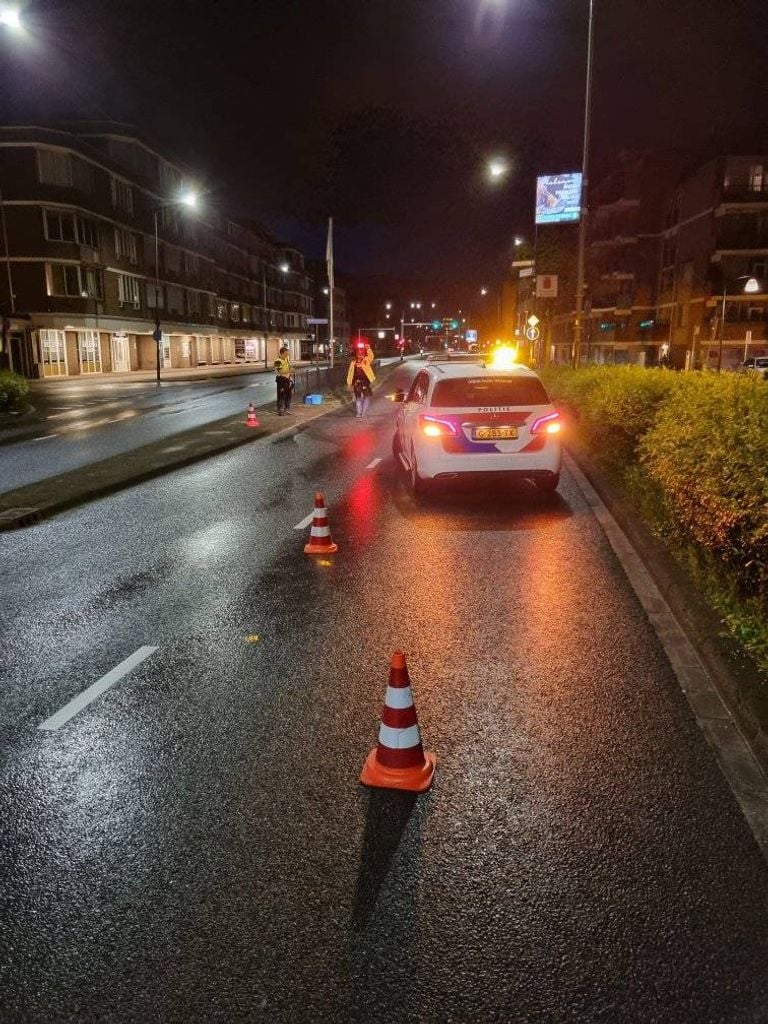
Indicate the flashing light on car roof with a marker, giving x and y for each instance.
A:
(503, 358)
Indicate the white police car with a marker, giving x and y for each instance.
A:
(477, 419)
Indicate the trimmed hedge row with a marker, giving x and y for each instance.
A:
(14, 392)
(691, 450)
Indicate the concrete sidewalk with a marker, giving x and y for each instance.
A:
(27, 505)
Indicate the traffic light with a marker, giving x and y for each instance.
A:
(436, 325)
(401, 343)
(454, 325)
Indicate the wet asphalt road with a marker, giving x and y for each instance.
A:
(194, 845)
(82, 422)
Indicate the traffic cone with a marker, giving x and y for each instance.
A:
(250, 419)
(399, 761)
(320, 542)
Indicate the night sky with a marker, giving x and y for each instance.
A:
(381, 112)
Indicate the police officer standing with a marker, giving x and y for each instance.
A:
(283, 377)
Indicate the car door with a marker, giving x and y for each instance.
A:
(410, 411)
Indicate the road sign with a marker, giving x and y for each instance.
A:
(546, 286)
(471, 337)
(532, 333)
(316, 320)
(533, 320)
(157, 335)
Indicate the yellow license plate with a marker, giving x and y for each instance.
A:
(495, 433)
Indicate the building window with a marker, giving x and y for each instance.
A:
(125, 245)
(757, 178)
(64, 279)
(88, 232)
(60, 226)
(221, 310)
(169, 217)
(53, 351)
(122, 195)
(234, 312)
(89, 351)
(191, 267)
(175, 299)
(54, 168)
(193, 303)
(128, 291)
(92, 285)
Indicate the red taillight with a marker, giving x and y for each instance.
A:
(430, 426)
(549, 424)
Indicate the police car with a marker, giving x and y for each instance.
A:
(477, 419)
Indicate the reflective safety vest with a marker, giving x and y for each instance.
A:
(283, 367)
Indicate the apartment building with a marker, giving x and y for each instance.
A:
(715, 239)
(88, 278)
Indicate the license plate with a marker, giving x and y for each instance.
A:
(495, 433)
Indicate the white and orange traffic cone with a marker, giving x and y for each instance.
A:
(250, 417)
(320, 542)
(399, 761)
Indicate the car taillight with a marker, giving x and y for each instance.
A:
(549, 424)
(430, 426)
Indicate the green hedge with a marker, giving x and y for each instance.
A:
(14, 392)
(691, 451)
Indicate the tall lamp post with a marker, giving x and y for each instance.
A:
(578, 326)
(751, 287)
(189, 199)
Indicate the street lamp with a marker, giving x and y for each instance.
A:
(497, 168)
(518, 241)
(10, 17)
(188, 198)
(578, 327)
(751, 287)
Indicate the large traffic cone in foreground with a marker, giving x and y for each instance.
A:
(320, 542)
(399, 761)
(250, 416)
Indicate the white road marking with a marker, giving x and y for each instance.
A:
(305, 522)
(374, 464)
(87, 696)
(44, 437)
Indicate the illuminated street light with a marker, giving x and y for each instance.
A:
(497, 168)
(284, 267)
(751, 287)
(518, 241)
(189, 199)
(11, 18)
(483, 291)
(325, 291)
(387, 305)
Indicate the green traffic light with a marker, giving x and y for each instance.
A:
(436, 325)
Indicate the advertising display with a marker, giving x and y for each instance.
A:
(558, 198)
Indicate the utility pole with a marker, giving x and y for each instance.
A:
(578, 326)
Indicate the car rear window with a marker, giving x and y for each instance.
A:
(467, 392)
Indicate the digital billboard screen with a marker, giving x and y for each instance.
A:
(558, 198)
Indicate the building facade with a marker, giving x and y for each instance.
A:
(83, 291)
(666, 243)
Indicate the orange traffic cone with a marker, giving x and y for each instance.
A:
(320, 542)
(250, 420)
(399, 761)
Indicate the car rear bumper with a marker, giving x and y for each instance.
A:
(436, 464)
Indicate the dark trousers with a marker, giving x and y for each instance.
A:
(283, 394)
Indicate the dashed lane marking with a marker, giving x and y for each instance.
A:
(305, 522)
(43, 437)
(374, 464)
(95, 690)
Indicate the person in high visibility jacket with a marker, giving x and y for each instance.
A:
(284, 380)
(360, 376)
